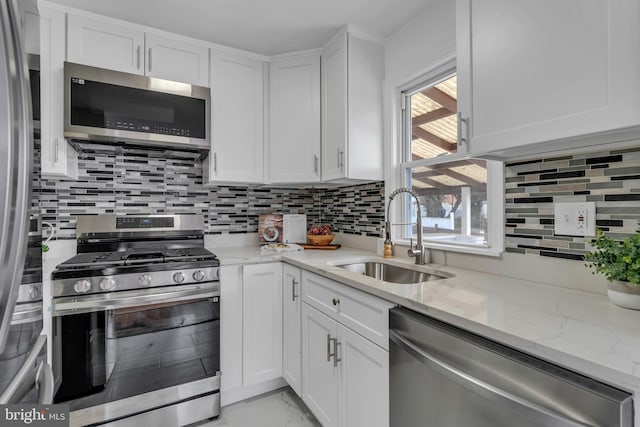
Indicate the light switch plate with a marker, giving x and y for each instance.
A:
(575, 219)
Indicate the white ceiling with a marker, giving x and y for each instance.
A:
(268, 27)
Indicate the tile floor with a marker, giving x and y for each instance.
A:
(280, 408)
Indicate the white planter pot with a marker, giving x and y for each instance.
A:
(623, 294)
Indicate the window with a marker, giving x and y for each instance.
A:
(460, 197)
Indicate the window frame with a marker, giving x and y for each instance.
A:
(402, 150)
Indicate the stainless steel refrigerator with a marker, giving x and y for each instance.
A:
(25, 377)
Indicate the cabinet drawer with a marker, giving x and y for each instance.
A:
(363, 313)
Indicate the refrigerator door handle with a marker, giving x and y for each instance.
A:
(44, 384)
(26, 377)
(15, 161)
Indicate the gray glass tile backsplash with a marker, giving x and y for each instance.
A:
(611, 179)
(136, 181)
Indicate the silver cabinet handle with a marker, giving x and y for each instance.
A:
(463, 140)
(335, 301)
(335, 348)
(478, 385)
(336, 359)
(341, 159)
(149, 59)
(329, 348)
(215, 163)
(315, 164)
(138, 55)
(294, 282)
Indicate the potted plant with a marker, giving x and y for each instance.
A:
(619, 262)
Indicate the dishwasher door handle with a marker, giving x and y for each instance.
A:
(477, 384)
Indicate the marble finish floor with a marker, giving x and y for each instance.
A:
(280, 408)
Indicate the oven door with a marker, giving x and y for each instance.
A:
(126, 346)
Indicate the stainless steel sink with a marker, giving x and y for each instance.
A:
(393, 273)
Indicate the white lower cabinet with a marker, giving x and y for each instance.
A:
(250, 330)
(291, 323)
(345, 376)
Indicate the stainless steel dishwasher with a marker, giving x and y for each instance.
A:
(442, 376)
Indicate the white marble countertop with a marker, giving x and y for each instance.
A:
(581, 331)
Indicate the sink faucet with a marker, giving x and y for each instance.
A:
(419, 251)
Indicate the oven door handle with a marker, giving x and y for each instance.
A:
(91, 303)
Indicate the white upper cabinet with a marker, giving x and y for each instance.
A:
(117, 46)
(58, 158)
(352, 75)
(105, 44)
(237, 94)
(549, 70)
(294, 154)
(171, 59)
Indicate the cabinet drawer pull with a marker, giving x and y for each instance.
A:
(335, 301)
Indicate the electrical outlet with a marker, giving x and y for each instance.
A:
(575, 219)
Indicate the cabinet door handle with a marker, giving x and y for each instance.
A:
(149, 59)
(336, 359)
(55, 151)
(463, 140)
(138, 55)
(315, 164)
(215, 163)
(294, 282)
(329, 354)
(335, 301)
(341, 159)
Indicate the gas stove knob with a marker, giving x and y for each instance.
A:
(34, 292)
(107, 284)
(198, 276)
(144, 280)
(82, 286)
(178, 277)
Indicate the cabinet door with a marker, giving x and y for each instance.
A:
(30, 26)
(105, 44)
(171, 59)
(538, 71)
(295, 120)
(334, 108)
(320, 384)
(237, 119)
(292, 321)
(364, 381)
(58, 159)
(231, 327)
(262, 322)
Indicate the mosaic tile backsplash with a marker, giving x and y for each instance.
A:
(611, 179)
(135, 181)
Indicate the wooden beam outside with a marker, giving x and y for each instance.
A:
(431, 116)
(441, 98)
(453, 174)
(450, 190)
(418, 132)
(431, 182)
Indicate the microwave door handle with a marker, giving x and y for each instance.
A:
(480, 387)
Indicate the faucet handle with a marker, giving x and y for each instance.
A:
(410, 252)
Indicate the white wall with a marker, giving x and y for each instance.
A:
(422, 42)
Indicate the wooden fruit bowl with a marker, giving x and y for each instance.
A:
(320, 240)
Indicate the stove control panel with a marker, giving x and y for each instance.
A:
(132, 281)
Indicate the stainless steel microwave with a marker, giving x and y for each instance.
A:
(111, 106)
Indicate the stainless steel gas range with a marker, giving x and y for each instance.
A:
(137, 322)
